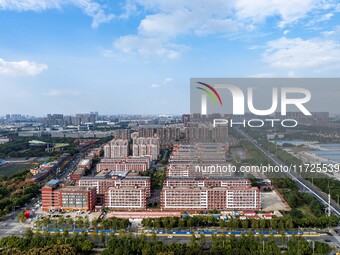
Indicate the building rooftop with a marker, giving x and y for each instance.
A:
(118, 173)
(77, 188)
(37, 142)
(84, 162)
(79, 171)
(186, 187)
(214, 178)
(126, 188)
(61, 145)
(53, 182)
(106, 175)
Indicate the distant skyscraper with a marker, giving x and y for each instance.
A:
(146, 132)
(186, 119)
(122, 134)
(55, 119)
(168, 135)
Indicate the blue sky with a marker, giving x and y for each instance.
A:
(137, 56)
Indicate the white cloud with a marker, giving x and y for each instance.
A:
(291, 74)
(200, 17)
(167, 80)
(61, 92)
(166, 21)
(317, 54)
(158, 31)
(147, 47)
(155, 86)
(288, 11)
(328, 33)
(89, 7)
(166, 25)
(129, 9)
(22, 67)
(327, 16)
(29, 5)
(333, 34)
(94, 10)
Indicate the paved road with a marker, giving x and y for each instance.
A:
(68, 169)
(11, 227)
(301, 182)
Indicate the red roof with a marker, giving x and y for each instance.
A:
(253, 217)
(249, 213)
(267, 215)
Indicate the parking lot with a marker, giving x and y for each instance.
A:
(74, 215)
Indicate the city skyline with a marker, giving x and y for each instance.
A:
(133, 57)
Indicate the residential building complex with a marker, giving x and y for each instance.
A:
(146, 146)
(207, 183)
(77, 198)
(146, 132)
(55, 197)
(104, 180)
(125, 198)
(204, 132)
(119, 148)
(195, 160)
(139, 164)
(208, 198)
(121, 134)
(320, 119)
(169, 135)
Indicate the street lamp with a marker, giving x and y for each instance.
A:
(263, 245)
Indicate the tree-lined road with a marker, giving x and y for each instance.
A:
(301, 182)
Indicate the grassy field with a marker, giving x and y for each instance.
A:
(11, 169)
(306, 210)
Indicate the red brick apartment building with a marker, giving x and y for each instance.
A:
(139, 164)
(205, 198)
(55, 197)
(127, 198)
(194, 182)
(104, 180)
(194, 160)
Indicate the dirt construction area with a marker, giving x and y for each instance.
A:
(271, 201)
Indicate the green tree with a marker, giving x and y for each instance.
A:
(202, 240)
(21, 217)
(86, 246)
(153, 237)
(102, 238)
(193, 243)
(245, 224)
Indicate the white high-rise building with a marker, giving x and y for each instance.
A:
(146, 146)
(119, 148)
(107, 151)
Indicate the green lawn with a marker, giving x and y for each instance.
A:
(11, 169)
(306, 210)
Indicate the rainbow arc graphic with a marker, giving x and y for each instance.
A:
(209, 90)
